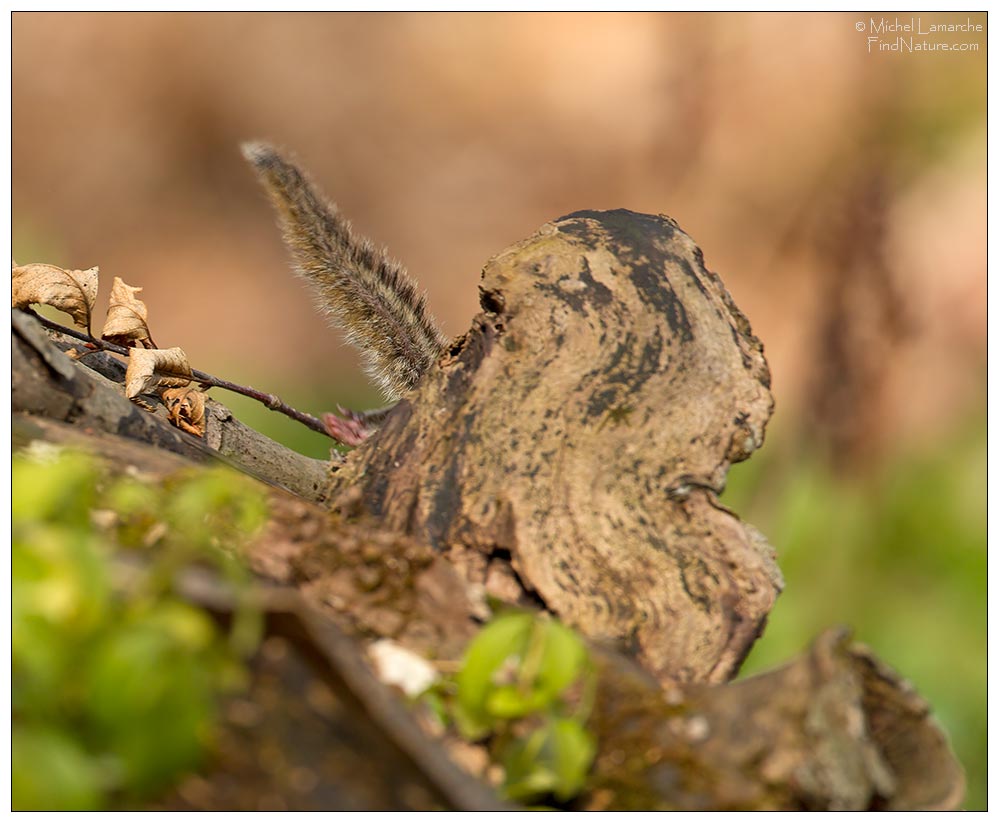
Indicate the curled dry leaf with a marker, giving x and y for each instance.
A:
(127, 317)
(73, 292)
(186, 408)
(156, 368)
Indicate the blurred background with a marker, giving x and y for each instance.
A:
(838, 189)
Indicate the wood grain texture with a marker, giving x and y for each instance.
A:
(576, 439)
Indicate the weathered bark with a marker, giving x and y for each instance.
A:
(832, 729)
(583, 429)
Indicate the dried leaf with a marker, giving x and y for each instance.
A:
(155, 368)
(74, 354)
(73, 292)
(127, 317)
(186, 408)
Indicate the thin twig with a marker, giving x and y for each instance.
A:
(271, 401)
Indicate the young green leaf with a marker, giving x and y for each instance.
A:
(493, 655)
(553, 760)
(51, 772)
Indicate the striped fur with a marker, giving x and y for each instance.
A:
(363, 292)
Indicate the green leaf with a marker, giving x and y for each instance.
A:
(514, 701)
(62, 490)
(553, 760)
(59, 575)
(572, 751)
(114, 680)
(517, 665)
(150, 696)
(51, 772)
(501, 642)
(216, 508)
(528, 775)
(562, 661)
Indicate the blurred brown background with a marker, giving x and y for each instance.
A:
(839, 192)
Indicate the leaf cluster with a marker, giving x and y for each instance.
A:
(525, 686)
(115, 678)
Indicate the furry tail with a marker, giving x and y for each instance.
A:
(365, 293)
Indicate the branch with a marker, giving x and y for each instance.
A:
(47, 383)
(271, 401)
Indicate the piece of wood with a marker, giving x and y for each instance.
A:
(575, 441)
(833, 729)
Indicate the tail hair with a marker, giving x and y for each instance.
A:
(365, 293)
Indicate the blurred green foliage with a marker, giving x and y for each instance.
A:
(899, 555)
(114, 678)
(526, 686)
